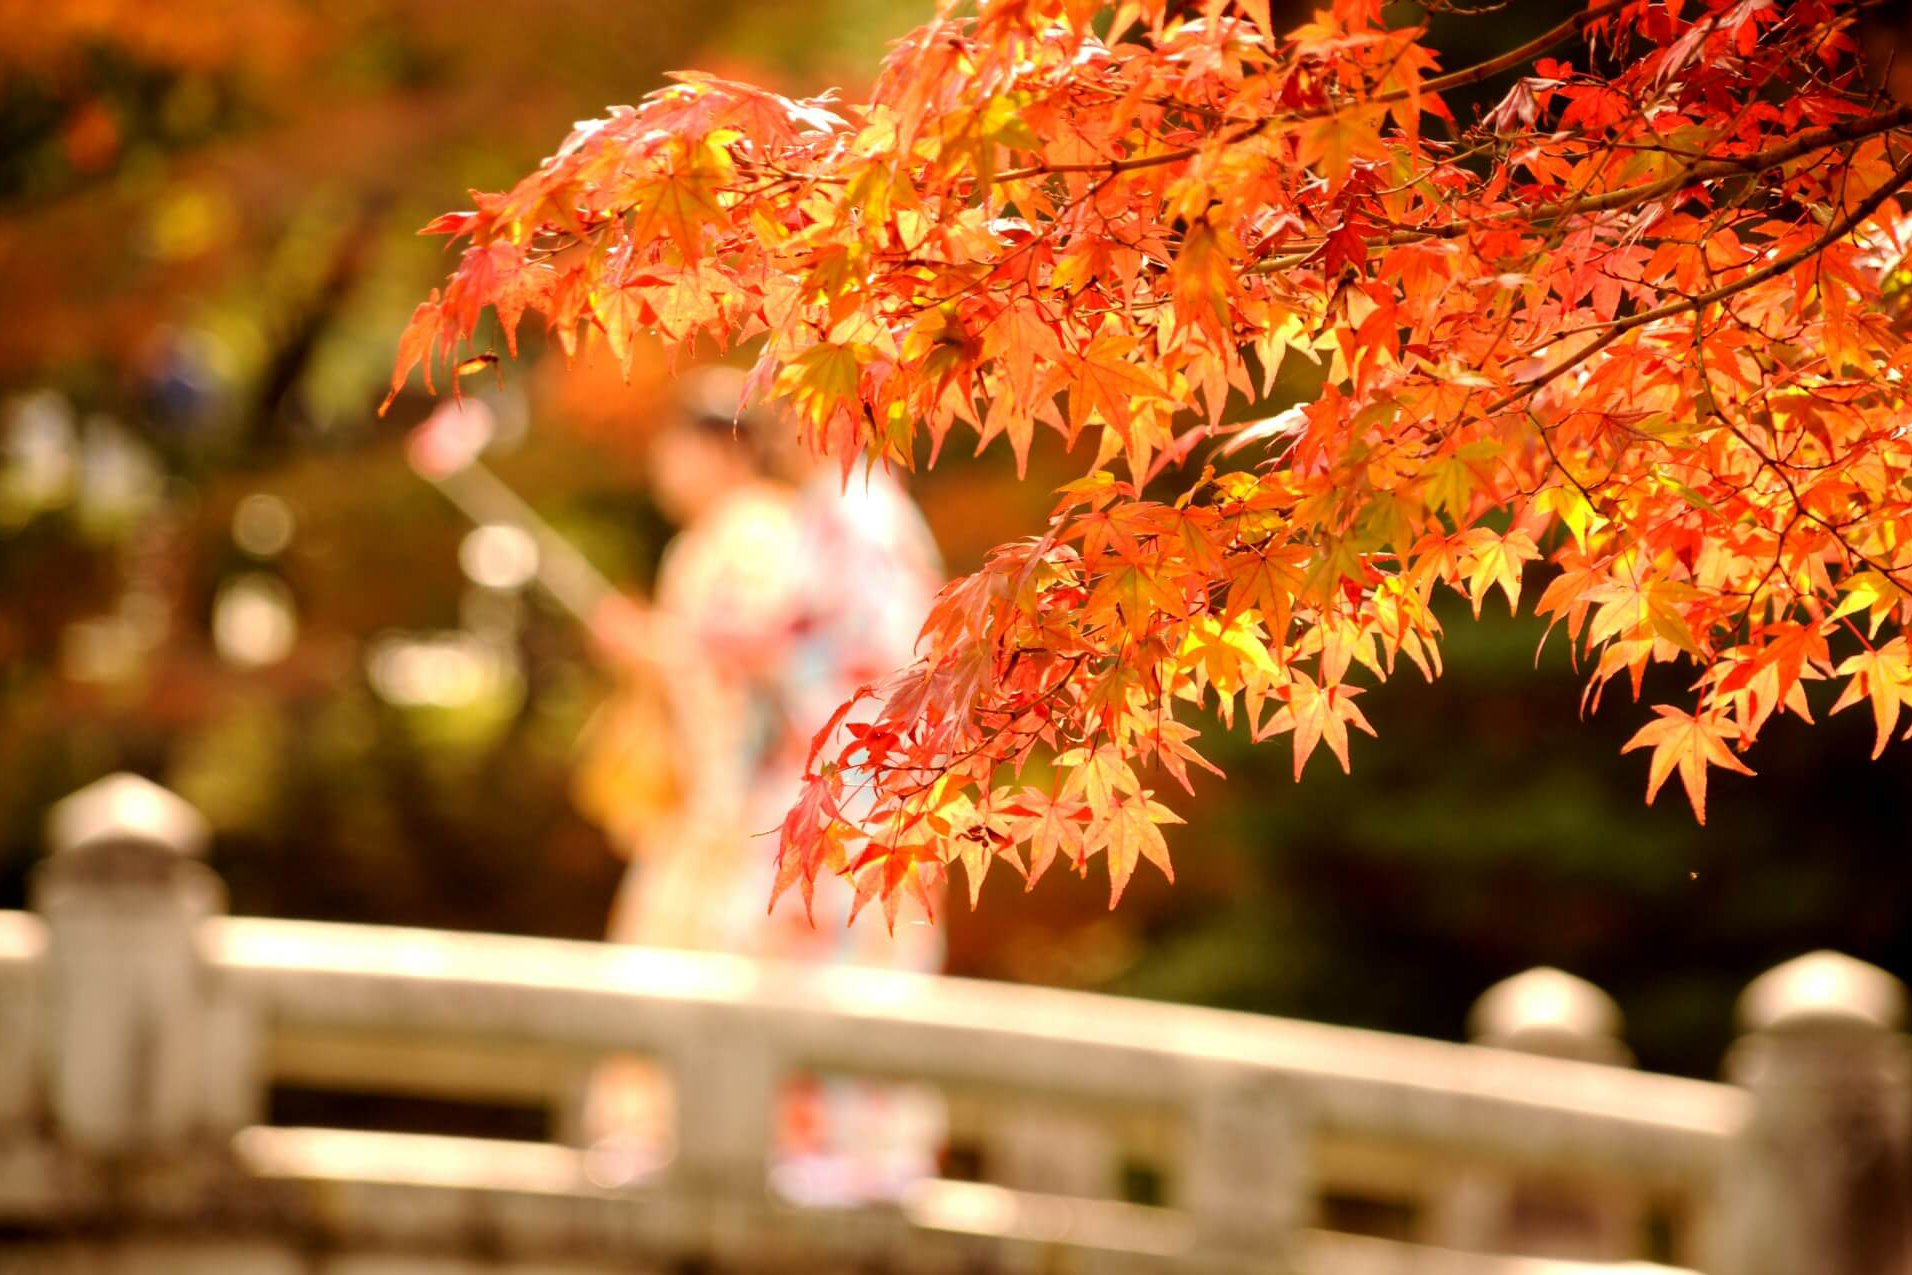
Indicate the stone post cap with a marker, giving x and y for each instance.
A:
(1822, 987)
(126, 807)
(1547, 1010)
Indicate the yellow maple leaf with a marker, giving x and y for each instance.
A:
(1885, 677)
(1496, 559)
(1316, 714)
(1333, 142)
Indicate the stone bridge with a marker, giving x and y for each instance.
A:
(143, 1032)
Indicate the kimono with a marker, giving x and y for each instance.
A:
(771, 610)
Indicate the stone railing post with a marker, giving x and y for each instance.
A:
(1042, 1145)
(1549, 1011)
(140, 1052)
(725, 1086)
(1541, 1011)
(1248, 1176)
(1822, 1179)
(22, 943)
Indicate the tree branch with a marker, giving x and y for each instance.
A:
(1813, 139)
(1438, 84)
(1901, 176)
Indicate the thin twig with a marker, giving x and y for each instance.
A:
(1438, 84)
(1836, 231)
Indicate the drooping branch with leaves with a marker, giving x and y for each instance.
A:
(1644, 319)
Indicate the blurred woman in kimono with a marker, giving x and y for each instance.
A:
(782, 593)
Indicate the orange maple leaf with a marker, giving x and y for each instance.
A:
(1133, 834)
(1691, 742)
(1316, 714)
(1103, 381)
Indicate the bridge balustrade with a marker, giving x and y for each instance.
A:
(143, 1034)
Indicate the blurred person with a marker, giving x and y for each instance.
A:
(784, 590)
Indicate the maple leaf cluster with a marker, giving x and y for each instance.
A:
(1645, 319)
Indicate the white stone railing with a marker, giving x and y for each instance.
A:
(141, 1032)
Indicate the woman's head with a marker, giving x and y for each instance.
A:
(710, 448)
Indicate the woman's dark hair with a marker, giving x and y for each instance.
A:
(709, 400)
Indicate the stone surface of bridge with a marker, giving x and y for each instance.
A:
(142, 1032)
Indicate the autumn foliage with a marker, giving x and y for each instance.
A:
(1642, 320)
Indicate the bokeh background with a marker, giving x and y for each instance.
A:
(217, 570)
